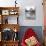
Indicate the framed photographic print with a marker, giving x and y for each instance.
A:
(13, 12)
(6, 34)
(30, 13)
(10, 19)
(13, 20)
(5, 12)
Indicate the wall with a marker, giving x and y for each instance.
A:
(22, 4)
(39, 13)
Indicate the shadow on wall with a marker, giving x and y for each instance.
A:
(37, 29)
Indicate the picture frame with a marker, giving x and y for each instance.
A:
(13, 12)
(13, 20)
(30, 13)
(10, 19)
(5, 12)
(7, 34)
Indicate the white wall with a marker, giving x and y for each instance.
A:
(22, 4)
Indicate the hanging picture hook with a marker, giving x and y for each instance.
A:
(15, 3)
